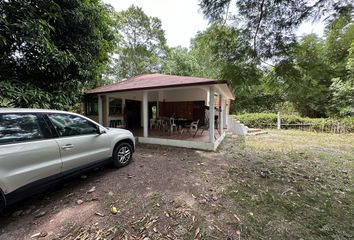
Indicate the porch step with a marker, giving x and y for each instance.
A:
(231, 135)
(255, 132)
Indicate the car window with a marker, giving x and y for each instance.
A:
(19, 127)
(72, 125)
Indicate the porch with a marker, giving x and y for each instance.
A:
(166, 110)
(197, 139)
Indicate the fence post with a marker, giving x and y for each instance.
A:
(278, 121)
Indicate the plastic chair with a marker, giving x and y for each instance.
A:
(193, 126)
(152, 123)
(173, 124)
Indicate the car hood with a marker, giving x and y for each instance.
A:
(111, 131)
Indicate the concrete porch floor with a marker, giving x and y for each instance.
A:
(185, 135)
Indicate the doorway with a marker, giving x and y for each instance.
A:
(133, 114)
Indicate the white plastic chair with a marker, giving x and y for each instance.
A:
(152, 123)
(194, 126)
(173, 124)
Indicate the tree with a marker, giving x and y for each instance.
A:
(141, 46)
(50, 50)
(342, 97)
(339, 36)
(306, 77)
(180, 62)
(223, 54)
(316, 75)
(269, 24)
(340, 53)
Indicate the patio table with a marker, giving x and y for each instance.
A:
(182, 122)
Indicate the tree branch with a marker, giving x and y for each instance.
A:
(257, 29)
(227, 12)
(255, 36)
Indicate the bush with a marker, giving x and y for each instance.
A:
(269, 120)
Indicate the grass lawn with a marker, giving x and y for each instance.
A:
(292, 184)
(282, 185)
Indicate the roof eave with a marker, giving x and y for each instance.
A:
(159, 87)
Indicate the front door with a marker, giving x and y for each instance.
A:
(133, 114)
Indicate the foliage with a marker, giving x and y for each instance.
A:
(343, 97)
(269, 120)
(340, 45)
(180, 62)
(51, 50)
(141, 46)
(269, 24)
(306, 77)
(305, 72)
(261, 96)
(223, 53)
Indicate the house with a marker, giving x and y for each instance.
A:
(139, 103)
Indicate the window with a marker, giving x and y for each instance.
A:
(92, 106)
(19, 127)
(115, 106)
(72, 125)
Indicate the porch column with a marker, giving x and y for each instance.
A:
(105, 118)
(211, 115)
(145, 113)
(100, 110)
(123, 104)
(221, 115)
(226, 114)
(157, 109)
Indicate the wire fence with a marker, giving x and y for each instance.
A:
(338, 127)
(284, 121)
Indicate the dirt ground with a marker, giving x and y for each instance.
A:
(153, 196)
(274, 186)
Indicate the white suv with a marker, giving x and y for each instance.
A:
(40, 147)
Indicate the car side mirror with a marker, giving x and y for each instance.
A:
(101, 131)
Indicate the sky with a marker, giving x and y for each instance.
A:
(182, 19)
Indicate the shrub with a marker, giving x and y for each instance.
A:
(269, 120)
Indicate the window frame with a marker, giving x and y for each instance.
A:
(45, 131)
(115, 106)
(91, 102)
(56, 133)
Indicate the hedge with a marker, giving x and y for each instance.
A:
(269, 120)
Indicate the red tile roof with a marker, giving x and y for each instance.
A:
(152, 81)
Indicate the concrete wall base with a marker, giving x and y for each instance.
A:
(236, 127)
(184, 144)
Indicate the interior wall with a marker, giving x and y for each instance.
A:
(182, 95)
(191, 110)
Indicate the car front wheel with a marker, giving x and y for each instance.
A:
(122, 154)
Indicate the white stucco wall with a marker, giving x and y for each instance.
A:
(181, 95)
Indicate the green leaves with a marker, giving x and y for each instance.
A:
(51, 50)
(271, 25)
(141, 46)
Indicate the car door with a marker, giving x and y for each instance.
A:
(79, 141)
(28, 153)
